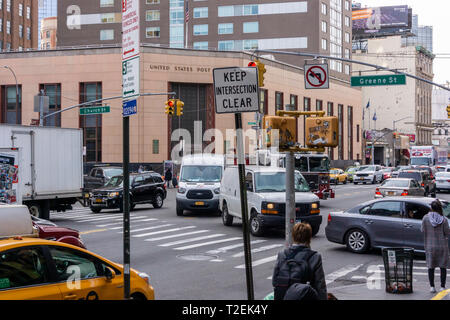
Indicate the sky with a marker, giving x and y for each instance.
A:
(434, 13)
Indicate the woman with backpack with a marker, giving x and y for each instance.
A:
(436, 232)
(298, 273)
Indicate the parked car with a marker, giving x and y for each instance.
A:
(99, 176)
(369, 173)
(37, 269)
(442, 181)
(266, 194)
(423, 178)
(387, 222)
(387, 173)
(350, 171)
(399, 187)
(441, 168)
(338, 175)
(146, 187)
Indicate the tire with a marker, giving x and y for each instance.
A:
(39, 210)
(345, 181)
(315, 230)
(227, 219)
(256, 225)
(355, 183)
(357, 241)
(158, 202)
(95, 210)
(374, 180)
(179, 211)
(138, 297)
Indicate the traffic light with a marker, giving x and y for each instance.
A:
(170, 107)
(448, 111)
(322, 131)
(286, 127)
(261, 71)
(180, 105)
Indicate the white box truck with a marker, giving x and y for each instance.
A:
(41, 167)
(428, 156)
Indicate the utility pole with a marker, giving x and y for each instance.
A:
(290, 197)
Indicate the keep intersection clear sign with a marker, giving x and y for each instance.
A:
(236, 89)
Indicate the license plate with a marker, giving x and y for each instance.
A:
(391, 193)
(99, 200)
(199, 203)
(361, 178)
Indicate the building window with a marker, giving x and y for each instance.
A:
(324, 9)
(350, 132)
(107, 34)
(152, 15)
(306, 107)
(1, 27)
(357, 133)
(108, 18)
(347, 37)
(324, 27)
(278, 101)
(28, 33)
(53, 91)
(330, 111)
(20, 31)
(347, 69)
(225, 11)
(8, 5)
(264, 104)
(47, 34)
(106, 3)
(226, 45)
(8, 27)
(293, 106)
(250, 44)
(347, 5)
(201, 12)
(251, 27)
(28, 13)
(200, 30)
(324, 44)
(347, 53)
(91, 124)
(319, 105)
(201, 45)
(347, 21)
(11, 112)
(341, 131)
(251, 9)
(155, 149)
(20, 10)
(225, 28)
(152, 32)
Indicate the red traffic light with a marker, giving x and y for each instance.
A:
(252, 64)
(171, 103)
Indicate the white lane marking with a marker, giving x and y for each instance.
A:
(258, 262)
(225, 249)
(191, 240)
(116, 223)
(97, 219)
(177, 235)
(134, 225)
(260, 249)
(162, 231)
(330, 278)
(150, 228)
(206, 243)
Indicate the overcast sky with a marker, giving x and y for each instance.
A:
(434, 13)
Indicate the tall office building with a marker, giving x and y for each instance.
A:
(423, 35)
(47, 9)
(311, 26)
(18, 24)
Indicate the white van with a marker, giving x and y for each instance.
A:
(199, 185)
(266, 194)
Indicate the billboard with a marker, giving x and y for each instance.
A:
(380, 21)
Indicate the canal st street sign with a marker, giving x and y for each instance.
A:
(236, 89)
(130, 77)
(380, 80)
(94, 110)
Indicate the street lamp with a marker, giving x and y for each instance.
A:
(17, 87)
(393, 131)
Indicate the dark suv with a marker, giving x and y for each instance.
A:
(423, 178)
(147, 187)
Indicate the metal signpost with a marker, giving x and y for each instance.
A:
(131, 85)
(236, 91)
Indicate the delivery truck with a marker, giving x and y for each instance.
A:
(41, 167)
(428, 156)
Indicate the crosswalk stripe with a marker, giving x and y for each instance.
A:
(105, 218)
(206, 243)
(176, 235)
(170, 244)
(256, 250)
(74, 216)
(150, 228)
(341, 273)
(258, 262)
(225, 249)
(136, 225)
(116, 223)
(162, 231)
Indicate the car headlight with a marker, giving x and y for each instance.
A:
(217, 191)
(113, 194)
(144, 276)
(269, 208)
(315, 205)
(181, 190)
(91, 194)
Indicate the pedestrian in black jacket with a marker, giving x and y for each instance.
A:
(299, 264)
(168, 177)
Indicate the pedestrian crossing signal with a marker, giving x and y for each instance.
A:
(170, 107)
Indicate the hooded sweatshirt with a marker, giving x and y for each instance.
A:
(435, 219)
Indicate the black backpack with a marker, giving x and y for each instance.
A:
(294, 268)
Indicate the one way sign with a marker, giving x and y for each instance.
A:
(316, 76)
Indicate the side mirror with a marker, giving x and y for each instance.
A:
(249, 186)
(312, 185)
(109, 273)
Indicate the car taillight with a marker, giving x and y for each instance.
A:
(329, 217)
(448, 180)
(423, 184)
(377, 191)
(404, 193)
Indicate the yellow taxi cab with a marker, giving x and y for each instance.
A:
(40, 269)
(37, 269)
(338, 175)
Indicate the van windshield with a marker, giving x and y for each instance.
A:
(420, 161)
(276, 182)
(201, 174)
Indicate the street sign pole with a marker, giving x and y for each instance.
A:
(244, 206)
(290, 197)
(126, 206)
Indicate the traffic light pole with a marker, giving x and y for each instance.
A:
(290, 197)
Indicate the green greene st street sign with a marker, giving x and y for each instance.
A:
(382, 80)
(94, 110)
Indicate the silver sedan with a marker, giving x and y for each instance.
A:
(399, 187)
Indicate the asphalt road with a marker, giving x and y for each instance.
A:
(196, 257)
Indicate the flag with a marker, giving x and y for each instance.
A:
(368, 104)
(187, 11)
(375, 116)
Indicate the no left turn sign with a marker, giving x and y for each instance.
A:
(316, 76)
